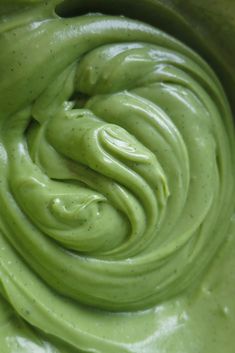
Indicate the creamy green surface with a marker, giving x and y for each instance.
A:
(116, 189)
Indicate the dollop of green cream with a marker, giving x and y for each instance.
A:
(116, 180)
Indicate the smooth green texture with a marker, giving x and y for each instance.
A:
(116, 189)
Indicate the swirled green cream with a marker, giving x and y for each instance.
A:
(116, 190)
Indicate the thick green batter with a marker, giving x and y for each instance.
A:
(116, 188)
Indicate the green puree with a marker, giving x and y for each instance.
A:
(116, 188)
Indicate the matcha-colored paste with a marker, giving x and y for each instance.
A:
(116, 189)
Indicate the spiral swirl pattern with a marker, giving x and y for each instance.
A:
(116, 168)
